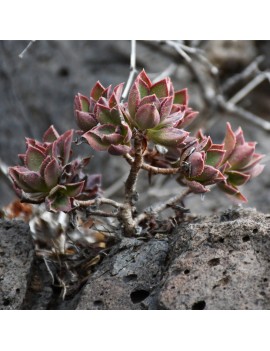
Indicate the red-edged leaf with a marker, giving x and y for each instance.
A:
(44, 165)
(85, 120)
(33, 181)
(147, 117)
(229, 142)
(117, 91)
(73, 190)
(52, 173)
(166, 107)
(187, 119)
(232, 191)
(196, 187)
(15, 173)
(196, 160)
(237, 178)
(181, 97)
(34, 158)
(97, 91)
(210, 175)
(58, 202)
(162, 88)
(133, 99)
(241, 156)
(239, 136)
(50, 135)
(143, 76)
(167, 136)
(214, 157)
(150, 99)
(95, 141)
(113, 138)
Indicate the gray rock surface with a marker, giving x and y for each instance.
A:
(221, 263)
(16, 255)
(128, 278)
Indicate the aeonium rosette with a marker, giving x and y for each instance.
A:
(101, 120)
(159, 112)
(48, 176)
(229, 165)
(240, 163)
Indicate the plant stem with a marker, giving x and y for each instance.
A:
(126, 212)
(171, 202)
(99, 201)
(152, 169)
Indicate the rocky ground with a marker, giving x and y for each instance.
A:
(216, 262)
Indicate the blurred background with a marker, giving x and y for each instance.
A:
(227, 81)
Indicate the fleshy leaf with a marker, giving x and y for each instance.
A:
(15, 173)
(97, 91)
(85, 120)
(118, 150)
(59, 202)
(147, 117)
(73, 190)
(196, 161)
(196, 187)
(94, 141)
(52, 173)
(181, 97)
(34, 158)
(214, 157)
(237, 178)
(34, 181)
(161, 88)
(105, 115)
(229, 141)
(142, 75)
(50, 135)
(241, 156)
(166, 107)
(167, 136)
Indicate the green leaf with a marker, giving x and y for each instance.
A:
(34, 158)
(161, 88)
(237, 178)
(214, 157)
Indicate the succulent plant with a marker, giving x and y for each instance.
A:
(199, 162)
(101, 120)
(47, 175)
(240, 162)
(158, 111)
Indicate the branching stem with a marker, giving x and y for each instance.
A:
(152, 169)
(171, 202)
(130, 188)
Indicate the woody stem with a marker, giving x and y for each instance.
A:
(126, 213)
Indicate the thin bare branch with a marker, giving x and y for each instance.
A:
(102, 213)
(240, 112)
(247, 73)
(97, 202)
(248, 88)
(171, 202)
(21, 55)
(133, 70)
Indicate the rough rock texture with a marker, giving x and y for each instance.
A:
(221, 262)
(16, 255)
(128, 278)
